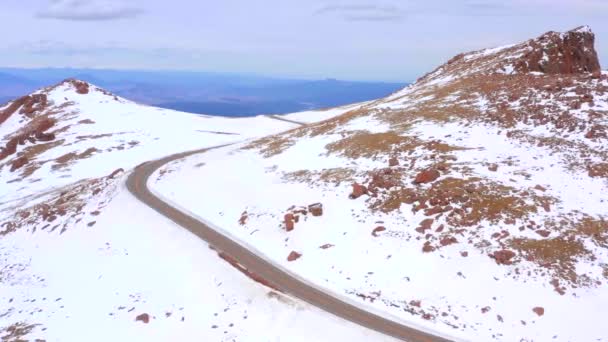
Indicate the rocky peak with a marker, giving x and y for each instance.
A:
(571, 52)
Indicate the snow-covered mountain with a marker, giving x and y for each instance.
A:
(472, 203)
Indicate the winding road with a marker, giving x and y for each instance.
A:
(137, 185)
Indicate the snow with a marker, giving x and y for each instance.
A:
(93, 277)
(391, 265)
(322, 114)
(120, 259)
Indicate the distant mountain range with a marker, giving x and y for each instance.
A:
(203, 92)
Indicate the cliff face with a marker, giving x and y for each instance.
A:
(572, 52)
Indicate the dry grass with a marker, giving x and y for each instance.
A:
(271, 145)
(68, 158)
(17, 332)
(333, 176)
(558, 254)
(362, 144)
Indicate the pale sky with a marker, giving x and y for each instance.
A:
(354, 40)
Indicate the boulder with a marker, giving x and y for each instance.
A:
(503, 257)
(427, 176)
(289, 222)
(378, 230)
(539, 310)
(316, 209)
(144, 317)
(358, 191)
(293, 256)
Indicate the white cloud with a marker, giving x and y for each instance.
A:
(88, 10)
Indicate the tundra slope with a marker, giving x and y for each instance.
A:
(472, 202)
(82, 259)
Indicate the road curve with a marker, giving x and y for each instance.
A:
(137, 185)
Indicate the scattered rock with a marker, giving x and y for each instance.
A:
(493, 167)
(427, 176)
(326, 246)
(289, 222)
(427, 248)
(448, 240)
(464, 254)
(144, 317)
(18, 163)
(539, 311)
(416, 303)
(543, 233)
(358, 191)
(293, 256)
(540, 187)
(378, 230)
(485, 309)
(503, 257)
(316, 209)
(393, 162)
(244, 217)
(425, 225)
(115, 173)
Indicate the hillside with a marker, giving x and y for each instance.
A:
(82, 259)
(472, 202)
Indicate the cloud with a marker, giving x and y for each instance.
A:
(363, 12)
(88, 10)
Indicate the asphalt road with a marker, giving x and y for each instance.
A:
(137, 185)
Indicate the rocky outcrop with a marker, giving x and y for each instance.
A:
(289, 222)
(33, 131)
(571, 52)
(427, 176)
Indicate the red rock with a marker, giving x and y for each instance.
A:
(448, 240)
(503, 257)
(144, 317)
(115, 173)
(425, 225)
(358, 191)
(427, 176)
(493, 167)
(539, 310)
(543, 233)
(393, 162)
(316, 209)
(427, 248)
(293, 256)
(289, 222)
(18, 163)
(378, 230)
(243, 219)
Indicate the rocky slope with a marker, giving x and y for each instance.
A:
(472, 202)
